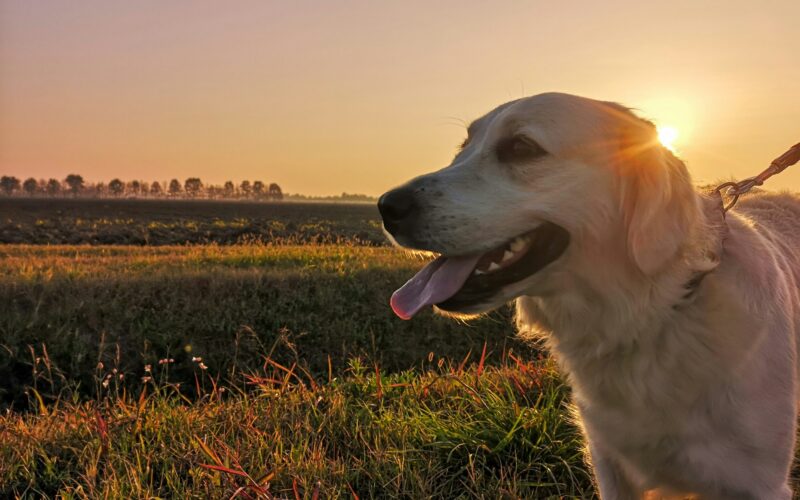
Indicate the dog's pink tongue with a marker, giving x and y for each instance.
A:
(436, 282)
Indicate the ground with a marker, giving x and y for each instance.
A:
(208, 357)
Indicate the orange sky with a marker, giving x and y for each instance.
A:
(331, 96)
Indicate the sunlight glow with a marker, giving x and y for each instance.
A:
(667, 136)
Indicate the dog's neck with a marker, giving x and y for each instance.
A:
(604, 316)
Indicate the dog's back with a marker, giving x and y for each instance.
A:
(779, 214)
(777, 217)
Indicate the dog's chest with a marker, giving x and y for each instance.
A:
(637, 400)
(654, 446)
(645, 405)
(657, 370)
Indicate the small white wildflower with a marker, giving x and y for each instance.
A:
(202, 366)
(114, 371)
(197, 359)
(147, 368)
(121, 376)
(105, 383)
(99, 365)
(146, 379)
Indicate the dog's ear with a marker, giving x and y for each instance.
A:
(658, 200)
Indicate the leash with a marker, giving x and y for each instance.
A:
(735, 190)
(778, 165)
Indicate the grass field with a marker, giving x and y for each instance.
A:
(178, 222)
(282, 371)
(270, 369)
(127, 307)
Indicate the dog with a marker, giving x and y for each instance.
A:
(676, 325)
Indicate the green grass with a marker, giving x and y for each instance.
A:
(65, 309)
(308, 385)
(445, 431)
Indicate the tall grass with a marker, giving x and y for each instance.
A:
(445, 431)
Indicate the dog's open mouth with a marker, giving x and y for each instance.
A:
(455, 283)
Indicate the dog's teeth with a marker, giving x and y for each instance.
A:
(518, 244)
(494, 266)
(478, 272)
(508, 255)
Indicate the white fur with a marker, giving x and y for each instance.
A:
(690, 395)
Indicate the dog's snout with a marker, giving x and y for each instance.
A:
(397, 207)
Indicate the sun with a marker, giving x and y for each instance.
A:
(667, 135)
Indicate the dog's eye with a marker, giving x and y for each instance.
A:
(518, 148)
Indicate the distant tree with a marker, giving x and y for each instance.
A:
(75, 183)
(134, 187)
(9, 184)
(229, 189)
(275, 192)
(100, 189)
(192, 186)
(30, 186)
(155, 188)
(174, 187)
(245, 188)
(144, 188)
(258, 189)
(116, 187)
(53, 187)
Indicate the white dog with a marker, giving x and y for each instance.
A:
(676, 328)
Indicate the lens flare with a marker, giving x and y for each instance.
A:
(667, 136)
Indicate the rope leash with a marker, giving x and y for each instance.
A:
(778, 165)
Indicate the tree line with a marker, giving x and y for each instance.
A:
(193, 187)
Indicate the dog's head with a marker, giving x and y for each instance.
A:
(542, 187)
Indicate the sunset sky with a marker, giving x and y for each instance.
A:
(330, 96)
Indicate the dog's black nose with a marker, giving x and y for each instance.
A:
(397, 207)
